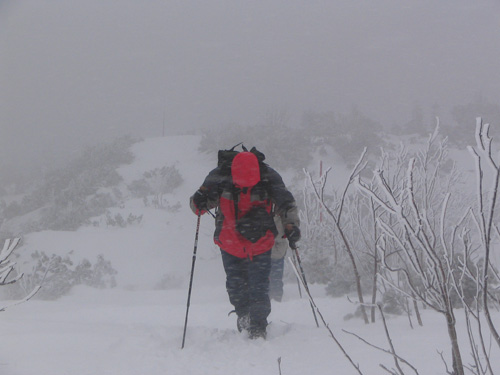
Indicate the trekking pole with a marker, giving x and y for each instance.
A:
(294, 260)
(296, 252)
(191, 278)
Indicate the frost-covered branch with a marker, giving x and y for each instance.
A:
(415, 207)
(360, 165)
(25, 299)
(8, 248)
(327, 326)
(6, 268)
(486, 207)
(391, 351)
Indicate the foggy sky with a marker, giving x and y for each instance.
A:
(73, 72)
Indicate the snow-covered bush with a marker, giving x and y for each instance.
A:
(169, 282)
(52, 272)
(341, 226)
(98, 275)
(430, 231)
(430, 243)
(58, 274)
(164, 180)
(117, 220)
(393, 302)
(140, 188)
(67, 197)
(157, 182)
(319, 250)
(341, 282)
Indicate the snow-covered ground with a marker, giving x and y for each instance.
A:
(140, 332)
(137, 329)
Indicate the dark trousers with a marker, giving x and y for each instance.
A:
(247, 284)
(276, 279)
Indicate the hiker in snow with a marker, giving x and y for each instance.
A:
(247, 193)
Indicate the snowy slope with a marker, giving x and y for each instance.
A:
(134, 333)
(134, 329)
(143, 253)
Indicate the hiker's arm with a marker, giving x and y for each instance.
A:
(206, 197)
(286, 207)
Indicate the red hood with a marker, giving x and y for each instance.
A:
(245, 170)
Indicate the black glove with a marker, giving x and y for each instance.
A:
(292, 232)
(200, 202)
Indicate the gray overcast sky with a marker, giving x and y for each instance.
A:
(72, 72)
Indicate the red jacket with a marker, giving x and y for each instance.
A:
(227, 236)
(251, 208)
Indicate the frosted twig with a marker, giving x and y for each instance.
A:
(27, 298)
(8, 248)
(483, 142)
(336, 219)
(359, 166)
(332, 335)
(391, 351)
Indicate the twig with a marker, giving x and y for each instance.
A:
(27, 298)
(381, 349)
(392, 351)
(445, 364)
(336, 219)
(323, 319)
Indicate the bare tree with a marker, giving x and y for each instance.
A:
(336, 215)
(410, 228)
(486, 204)
(362, 214)
(427, 241)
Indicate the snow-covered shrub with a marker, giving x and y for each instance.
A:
(318, 259)
(169, 282)
(341, 283)
(156, 182)
(172, 207)
(435, 244)
(164, 180)
(100, 275)
(57, 275)
(52, 272)
(318, 248)
(118, 221)
(338, 212)
(67, 197)
(419, 228)
(358, 314)
(140, 188)
(393, 302)
(134, 219)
